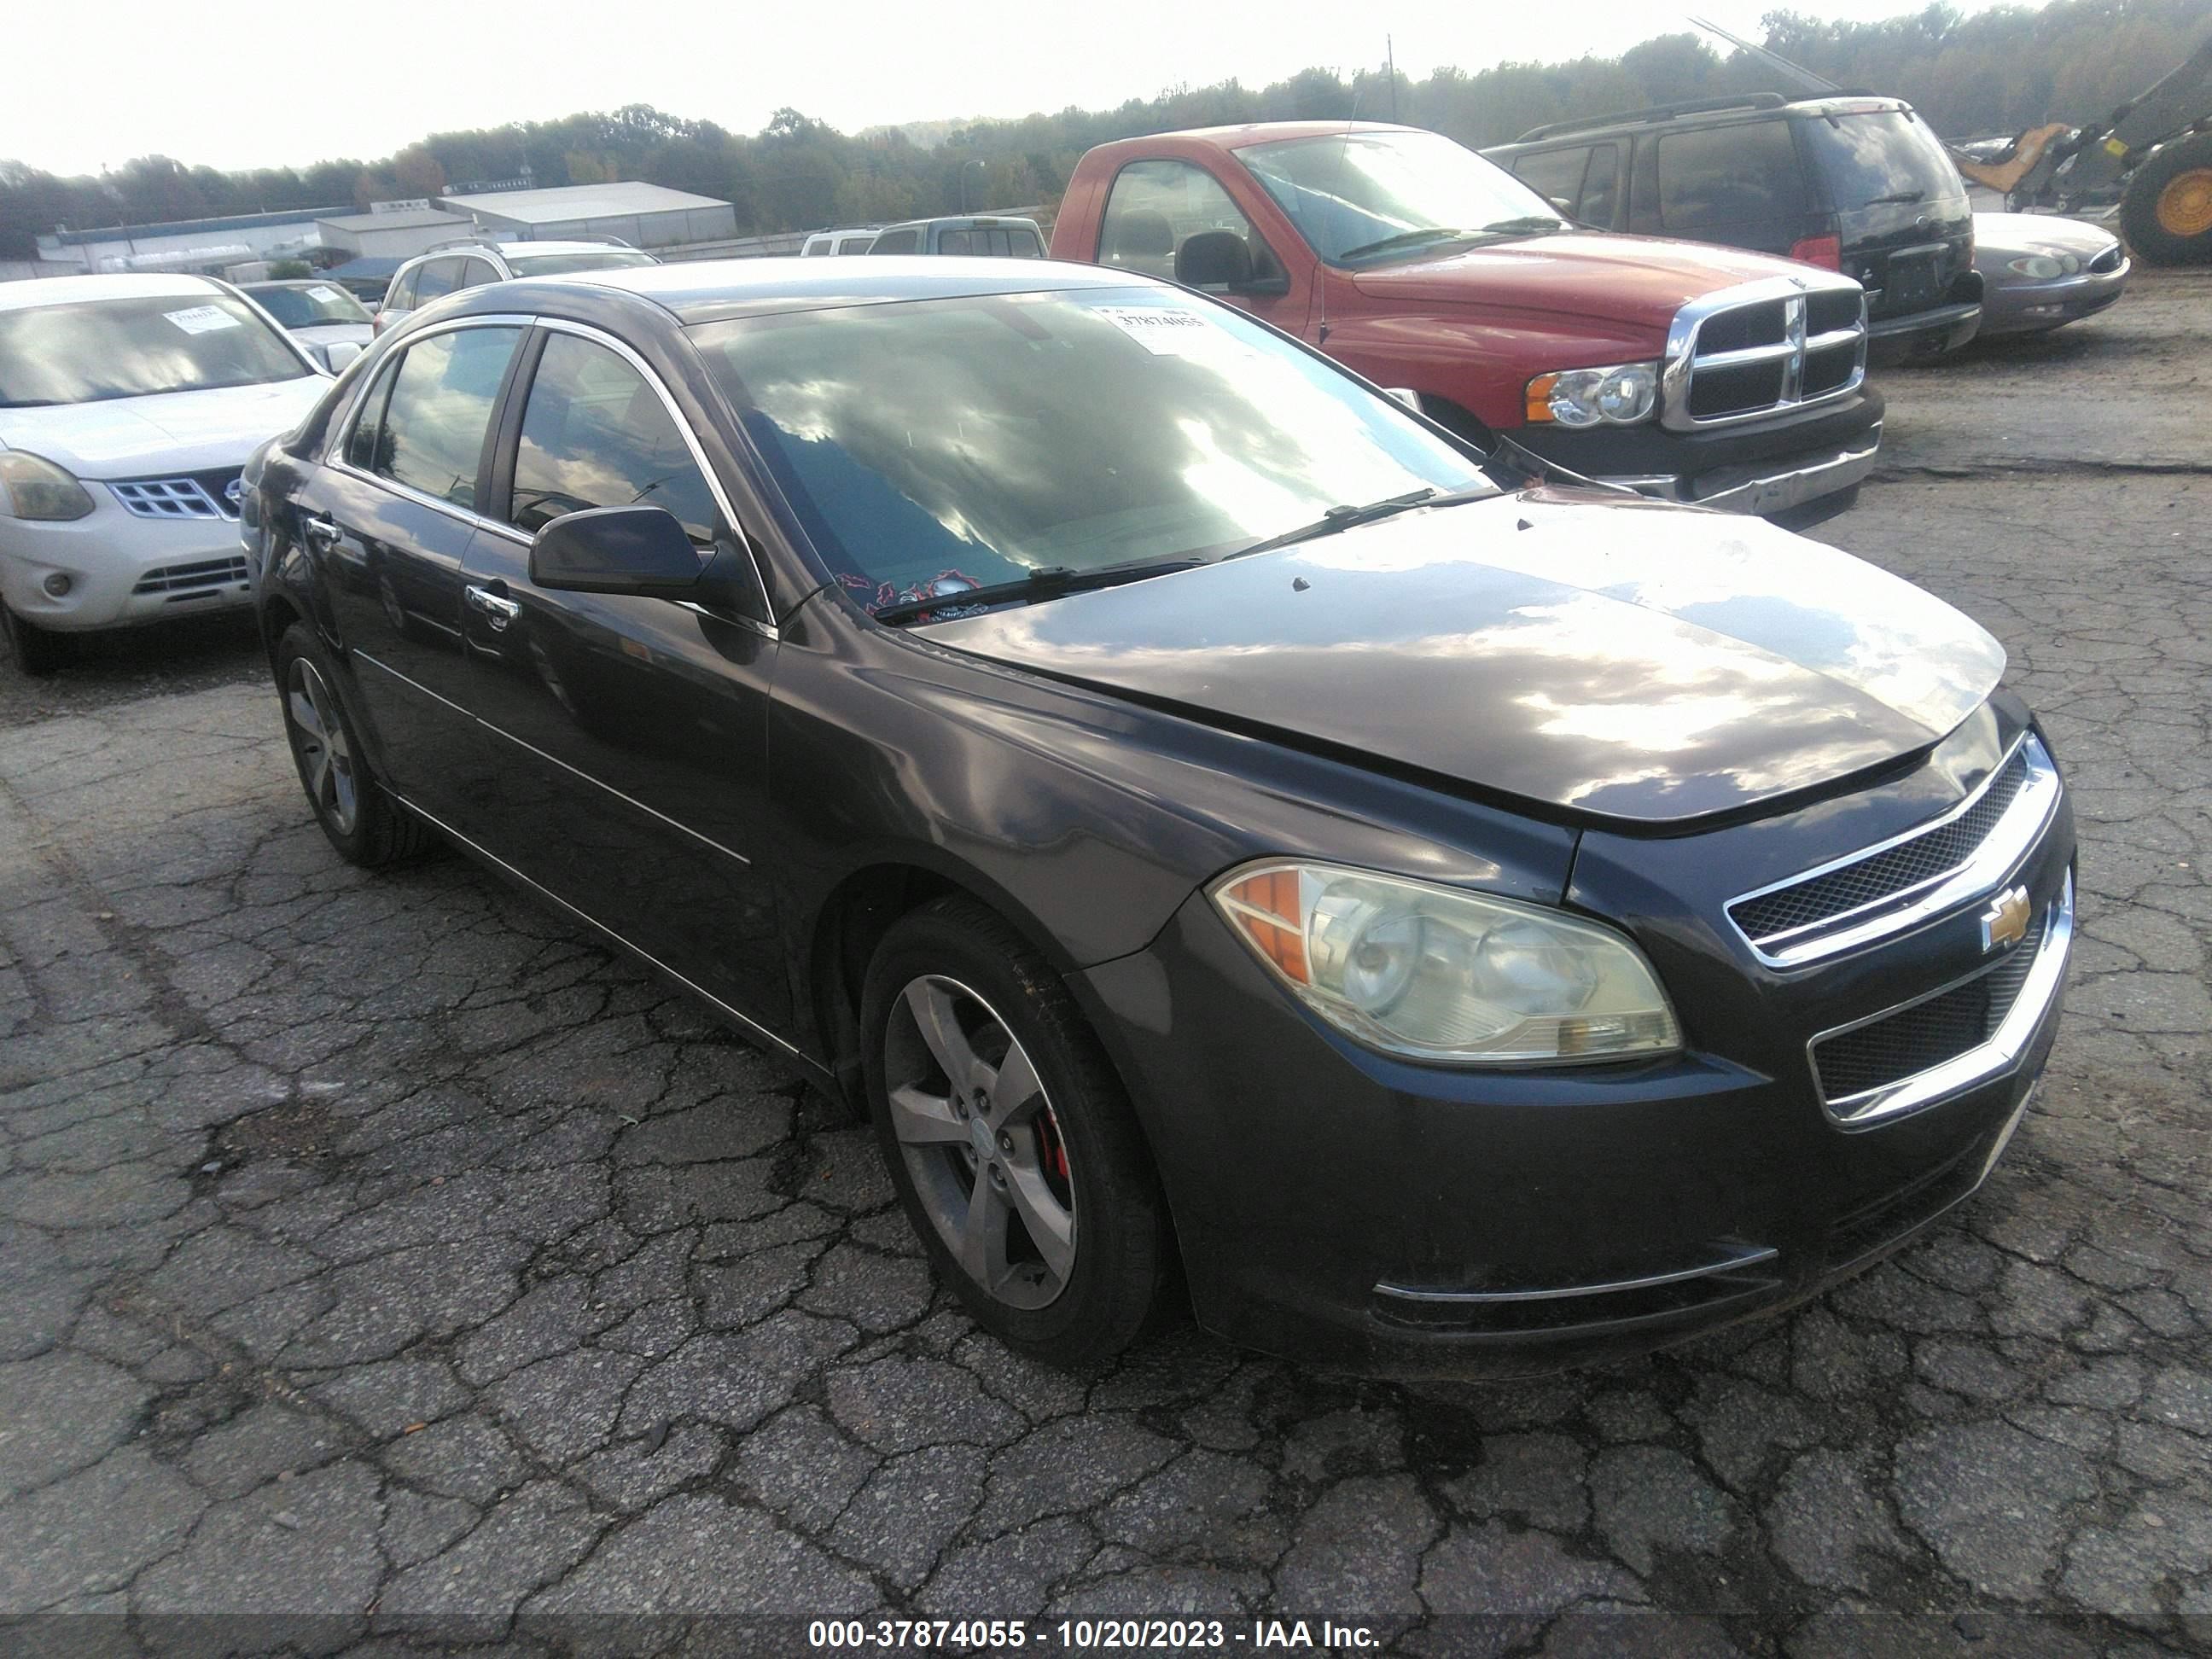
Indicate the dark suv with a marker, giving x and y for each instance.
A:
(1855, 184)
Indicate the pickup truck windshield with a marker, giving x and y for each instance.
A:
(1367, 198)
(97, 350)
(931, 447)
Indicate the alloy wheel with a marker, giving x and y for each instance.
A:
(979, 1136)
(320, 741)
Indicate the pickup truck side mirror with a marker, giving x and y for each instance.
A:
(1222, 259)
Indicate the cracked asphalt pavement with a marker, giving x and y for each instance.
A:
(380, 1251)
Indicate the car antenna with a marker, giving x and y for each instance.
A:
(1321, 278)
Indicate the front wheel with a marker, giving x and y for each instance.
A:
(36, 650)
(1010, 1140)
(2167, 209)
(359, 819)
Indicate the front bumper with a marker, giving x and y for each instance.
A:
(1763, 467)
(2028, 307)
(122, 570)
(1364, 1214)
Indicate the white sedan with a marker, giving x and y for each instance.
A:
(128, 406)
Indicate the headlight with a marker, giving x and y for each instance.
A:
(1619, 396)
(2041, 267)
(1432, 973)
(37, 489)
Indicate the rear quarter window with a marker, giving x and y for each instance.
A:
(1745, 173)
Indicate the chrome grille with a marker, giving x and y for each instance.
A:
(193, 580)
(1924, 1036)
(1881, 889)
(195, 495)
(1763, 348)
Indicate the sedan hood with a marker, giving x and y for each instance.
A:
(1632, 279)
(1640, 664)
(2008, 235)
(183, 431)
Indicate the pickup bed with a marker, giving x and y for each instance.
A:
(1688, 372)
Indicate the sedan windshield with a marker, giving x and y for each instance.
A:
(97, 350)
(1364, 197)
(929, 447)
(310, 305)
(552, 264)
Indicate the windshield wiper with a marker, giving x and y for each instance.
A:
(1405, 239)
(1528, 222)
(1901, 196)
(1345, 518)
(1048, 583)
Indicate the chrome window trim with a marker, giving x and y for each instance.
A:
(1980, 871)
(1988, 1059)
(1677, 369)
(500, 731)
(590, 920)
(334, 452)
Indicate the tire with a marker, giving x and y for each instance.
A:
(361, 821)
(1068, 1165)
(36, 650)
(2167, 211)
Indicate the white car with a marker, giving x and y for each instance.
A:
(858, 239)
(320, 315)
(128, 406)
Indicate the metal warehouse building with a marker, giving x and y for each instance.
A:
(645, 215)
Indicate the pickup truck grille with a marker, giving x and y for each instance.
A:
(1764, 349)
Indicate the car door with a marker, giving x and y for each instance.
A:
(388, 517)
(627, 737)
(1154, 210)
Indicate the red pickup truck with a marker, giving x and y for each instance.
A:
(1689, 372)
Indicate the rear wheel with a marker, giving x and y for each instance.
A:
(1009, 1139)
(2167, 210)
(361, 821)
(36, 650)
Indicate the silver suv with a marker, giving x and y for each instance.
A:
(452, 266)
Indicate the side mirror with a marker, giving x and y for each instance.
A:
(617, 550)
(1213, 258)
(340, 354)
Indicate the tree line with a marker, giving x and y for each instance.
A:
(1997, 72)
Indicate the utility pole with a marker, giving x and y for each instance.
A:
(1390, 57)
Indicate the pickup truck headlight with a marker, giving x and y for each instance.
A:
(1619, 396)
(1433, 973)
(37, 489)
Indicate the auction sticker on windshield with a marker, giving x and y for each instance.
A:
(327, 295)
(201, 319)
(1166, 333)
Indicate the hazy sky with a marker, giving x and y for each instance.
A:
(240, 83)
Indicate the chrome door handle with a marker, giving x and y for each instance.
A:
(320, 531)
(495, 608)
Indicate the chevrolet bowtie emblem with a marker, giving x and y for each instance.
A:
(2005, 922)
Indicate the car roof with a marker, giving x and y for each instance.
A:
(1249, 133)
(135, 285)
(485, 244)
(1718, 114)
(969, 221)
(710, 290)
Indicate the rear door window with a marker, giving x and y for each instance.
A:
(895, 241)
(475, 273)
(1717, 178)
(432, 434)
